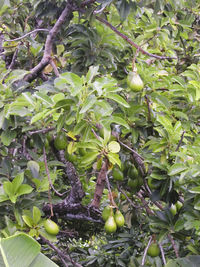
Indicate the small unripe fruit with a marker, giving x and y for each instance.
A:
(51, 227)
(134, 81)
(110, 225)
(173, 209)
(119, 219)
(179, 205)
(107, 212)
(117, 174)
(153, 250)
(60, 141)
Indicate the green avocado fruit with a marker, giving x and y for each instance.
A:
(117, 174)
(107, 212)
(51, 227)
(110, 225)
(173, 209)
(119, 218)
(134, 81)
(60, 141)
(153, 250)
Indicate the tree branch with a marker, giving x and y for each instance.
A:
(100, 184)
(130, 41)
(27, 34)
(49, 43)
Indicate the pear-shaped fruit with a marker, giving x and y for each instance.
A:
(110, 225)
(173, 209)
(60, 141)
(134, 81)
(117, 174)
(107, 212)
(153, 250)
(119, 219)
(51, 227)
(179, 205)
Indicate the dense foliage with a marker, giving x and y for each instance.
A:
(77, 135)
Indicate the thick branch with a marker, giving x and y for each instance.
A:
(130, 41)
(76, 193)
(100, 185)
(49, 43)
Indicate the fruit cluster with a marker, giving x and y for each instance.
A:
(112, 220)
(134, 180)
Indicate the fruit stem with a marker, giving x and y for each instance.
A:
(112, 202)
(134, 68)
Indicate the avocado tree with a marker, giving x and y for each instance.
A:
(99, 130)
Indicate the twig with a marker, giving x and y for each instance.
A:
(144, 202)
(25, 35)
(129, 200)
(133, 62)
(100, 10)
(41, 131)
(13, 59)
(180, 141)
(11, 65)
(87, 2)
(174, 245)
(132, 150)
(145, 251)
(54, 68)
(130, 41)
(60, 253)
(162, 254)
(109, 190)
(95, 134)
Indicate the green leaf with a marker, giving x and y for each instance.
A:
(42, 261)
(90, 101)
(34, 167)
(36, 215)
(17, 181)
(195, 190)
(72, 79)
(8, 188)
(114, 159)
(64, 103)
(28, 220)
(165, 122)
(89, 158)
(117, 98)
(38, 116)
(19, 250)
(176, 169)
(90, 145)
(24, 189)
(7, 137)
(120, 121)
(179, 225)
(93, 71)
(44, 98)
